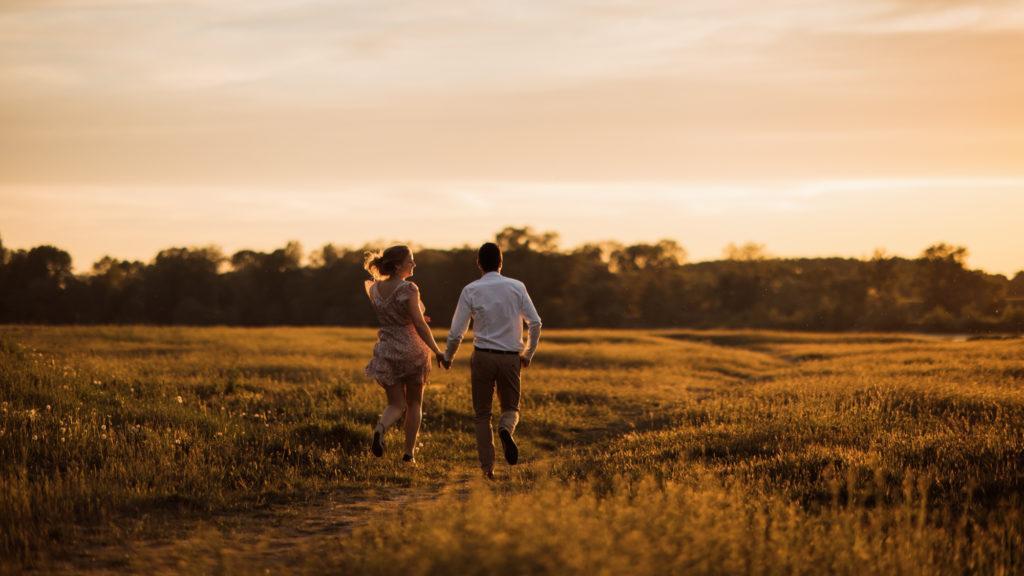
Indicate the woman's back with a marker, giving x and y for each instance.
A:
(391, 305)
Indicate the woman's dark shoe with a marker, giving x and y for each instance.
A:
(408, 458)
(377, 446)
(511, 450)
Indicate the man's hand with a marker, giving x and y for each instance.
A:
(442, 361)
(524, 361)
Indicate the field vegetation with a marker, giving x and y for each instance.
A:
(659, 451)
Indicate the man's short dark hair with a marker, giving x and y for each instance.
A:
(489, 257)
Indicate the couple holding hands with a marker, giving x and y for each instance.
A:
(401, 362)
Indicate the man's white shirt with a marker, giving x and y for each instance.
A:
(498, 307)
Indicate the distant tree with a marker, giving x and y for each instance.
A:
(943, 252)
(739, 289)
(288, 258)
(510, 239)
(36, 286)
(1016, 287)
(592, 294)
(986, 300)
(663, 254)
(280, 260)
(326, 256)
(661, 299)
(944, 281)
(748, 252)
(182, 286)
(846, 295)
(245, 260)
(270, 287)
(117, 291)
(882, 306)
(1014, 317)
(595, 252)
(598, 284)
(336, 290)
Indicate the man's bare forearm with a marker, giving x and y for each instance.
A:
(534, 341)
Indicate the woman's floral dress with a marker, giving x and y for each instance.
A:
(400, 356)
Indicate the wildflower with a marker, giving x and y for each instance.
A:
(103, 427)
(35, 437)
(48, 408)
(179, 399)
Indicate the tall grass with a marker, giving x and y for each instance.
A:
(696, 525)
(644, 452)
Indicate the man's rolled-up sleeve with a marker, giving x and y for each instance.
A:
(533, 324)
(460, 323)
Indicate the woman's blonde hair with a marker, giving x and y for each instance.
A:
(384, 264)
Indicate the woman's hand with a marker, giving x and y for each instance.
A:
(441, 361)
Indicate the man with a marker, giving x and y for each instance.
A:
(498, 307)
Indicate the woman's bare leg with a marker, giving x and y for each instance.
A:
(413, 414)
(396, 405)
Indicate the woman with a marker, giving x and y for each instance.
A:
(401, 356)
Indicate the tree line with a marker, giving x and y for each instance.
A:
(594, 285)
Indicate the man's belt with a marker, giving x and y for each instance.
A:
(492, 351)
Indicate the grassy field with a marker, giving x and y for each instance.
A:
(128, 449)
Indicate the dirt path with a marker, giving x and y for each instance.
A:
(270, 540)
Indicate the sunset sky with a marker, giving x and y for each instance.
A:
(814, 127)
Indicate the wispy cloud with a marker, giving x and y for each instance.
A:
(364, 49)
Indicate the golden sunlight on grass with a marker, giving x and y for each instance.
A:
(126, 449)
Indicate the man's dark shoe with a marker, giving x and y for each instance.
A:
(511, 450)
(489, 474)
(377, 446)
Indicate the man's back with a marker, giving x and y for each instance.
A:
(498, 307)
